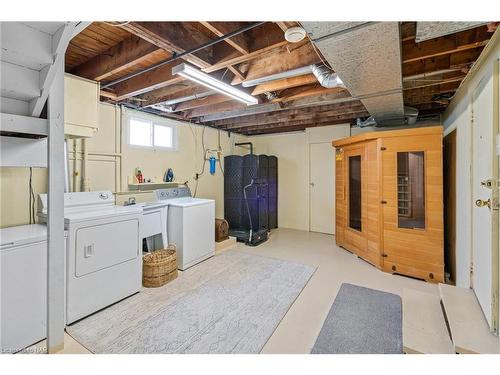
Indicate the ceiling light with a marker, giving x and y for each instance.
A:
(196, 75)
(295, 34)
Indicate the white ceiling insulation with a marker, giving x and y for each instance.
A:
(367, 58)
(431, 30)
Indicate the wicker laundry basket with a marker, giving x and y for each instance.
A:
(159, 267)
(221, 230)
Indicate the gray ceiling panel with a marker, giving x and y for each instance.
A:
(367, 57)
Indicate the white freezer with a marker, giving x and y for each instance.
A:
(23, 286)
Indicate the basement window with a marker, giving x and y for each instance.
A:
(144, 132)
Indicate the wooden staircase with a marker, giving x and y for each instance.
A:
(451, 322)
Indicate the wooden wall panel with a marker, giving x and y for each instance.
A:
(372, 204)
(340, 201)
(414, 252)
(417, 252)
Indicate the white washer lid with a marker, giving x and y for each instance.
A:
(113, 211)
(189, 202)
(22, 234)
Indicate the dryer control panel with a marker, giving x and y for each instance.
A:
(172, 193)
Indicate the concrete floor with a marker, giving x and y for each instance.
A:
(299, 328)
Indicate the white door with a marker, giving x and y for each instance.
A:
(484, 277)
(322, 188)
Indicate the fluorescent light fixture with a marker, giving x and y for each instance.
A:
(196, 75)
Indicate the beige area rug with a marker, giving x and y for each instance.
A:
(231, 303)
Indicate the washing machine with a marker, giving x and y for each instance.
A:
(190, 225)
(103, 251)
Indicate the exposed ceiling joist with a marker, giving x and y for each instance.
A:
(168, 35)
(238, 42)
(324, 118)
(289, 114)
(123, 55)
(445, 45)
(432, 70)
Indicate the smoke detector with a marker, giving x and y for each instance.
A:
(295, 34)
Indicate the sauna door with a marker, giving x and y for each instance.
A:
(412, 201)
(355, 173)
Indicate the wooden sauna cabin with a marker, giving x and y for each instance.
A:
(389, 200)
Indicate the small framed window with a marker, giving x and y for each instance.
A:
(140, 132)
(149, 133)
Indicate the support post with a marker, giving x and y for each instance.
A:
(55, 220)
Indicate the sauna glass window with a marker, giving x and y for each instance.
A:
(355, 192)
(411, 190)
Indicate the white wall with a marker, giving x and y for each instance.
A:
(458, 116)
(292, 150)
(115, 173)
(111, 163)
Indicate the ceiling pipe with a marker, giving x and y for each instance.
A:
(170, 103)
(324, 75)
(176, 56)
(429, 74)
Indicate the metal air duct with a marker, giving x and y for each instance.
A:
(367, 57)
(324, 75)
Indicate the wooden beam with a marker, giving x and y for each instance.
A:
(206, 101)
(346, 117)
(280, 61)
(289, 114)
(224, 63)
(463, 41)
(124, 55)
(436, 82)
(159, 77)
(286, 129)
(425, 94)
(464, 58)
(408, 31)
(173, 37)
(216, 108)
(214, 113)
(238, 73)
(324, 117)
(152, 80)
(283, 84)
(238, 42)
(307, 91)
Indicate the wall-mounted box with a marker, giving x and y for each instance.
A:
(81, 107)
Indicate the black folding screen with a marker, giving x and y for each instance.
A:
(262, 198)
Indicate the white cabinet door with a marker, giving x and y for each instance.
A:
(23, 296)
(81, 106)
(322, 187)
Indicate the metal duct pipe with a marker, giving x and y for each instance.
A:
(325, 76)
(410, 118)
(429, 74)
(167, 105)
(190, 97)
(282, 75)
(246, 144)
